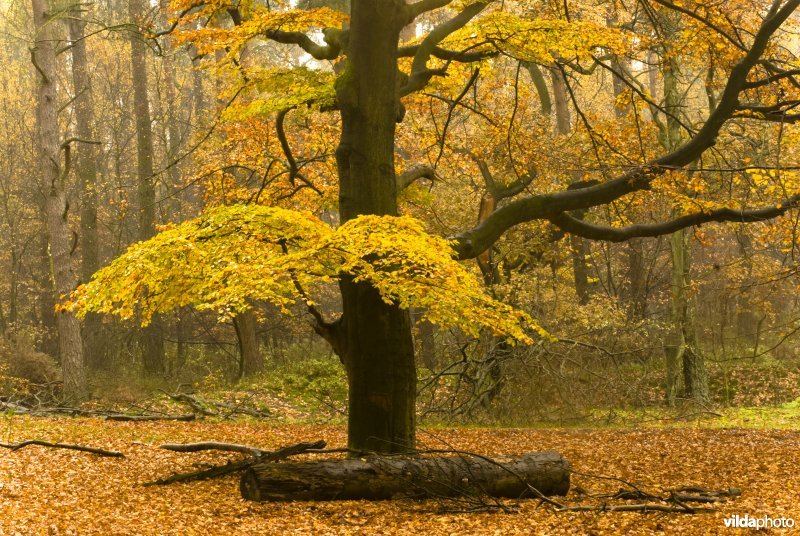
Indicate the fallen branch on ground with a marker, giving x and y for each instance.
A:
(257, 456)
(677, 509)
(147, 418)
(213, 445)
(676, 501)
(93, 450)
(215, 408)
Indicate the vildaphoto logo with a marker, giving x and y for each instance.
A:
(747, 521)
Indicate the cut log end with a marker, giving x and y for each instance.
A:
(381, 478)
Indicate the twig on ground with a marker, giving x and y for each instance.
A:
(93, 450)
(213, 445)
(137, 418)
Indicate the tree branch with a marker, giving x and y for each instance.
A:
(620, 234)
(420, 74)
(738, 44)
(410, 176)
(779, 75)
(423, 6)
(93, 450)
(472, 243)
(333, 37)
(462, 56)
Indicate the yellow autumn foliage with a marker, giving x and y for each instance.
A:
(232, 255)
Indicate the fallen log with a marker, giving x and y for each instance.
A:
(378, 478)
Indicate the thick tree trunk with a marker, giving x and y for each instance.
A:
(86, 169)
(151, 336)
(374, 338)
(379, 478)
(53, 176)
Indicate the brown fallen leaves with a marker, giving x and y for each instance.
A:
(55, 491)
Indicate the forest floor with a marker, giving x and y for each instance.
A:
(53, 491)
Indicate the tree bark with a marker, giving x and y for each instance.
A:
(380, 478)
(374, 337)
(86, 170)
(578, 246)
(426, 338)
(682, 348)
(634, 287)
(251, 359)
(53, 175)
(151, 336)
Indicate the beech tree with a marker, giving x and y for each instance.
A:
(385, 263)
(54, 164)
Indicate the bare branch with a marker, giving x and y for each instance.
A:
(93, 450)
(420, 74)
(548, 206)
(410, 176)
(736, 42)
(423, 6)
(620, 234)
(779, 75)
(462, 56)
(333, 37)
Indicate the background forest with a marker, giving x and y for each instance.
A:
(154, 120)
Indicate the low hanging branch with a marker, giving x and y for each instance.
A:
(93, 450)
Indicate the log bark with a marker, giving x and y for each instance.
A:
(379, 478)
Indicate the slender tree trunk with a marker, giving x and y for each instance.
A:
(53, 176)
(375, 338)
(578, 246)
(676, 343)
(86, 169)
(636, 279)
(427, 343)
(48, 344)
(635, 276)
(251, 359)
(681, 349)
(151, 336)
(746, 320)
